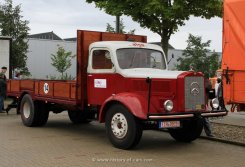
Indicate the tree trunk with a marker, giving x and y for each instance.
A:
(164, 43)
(118, 24)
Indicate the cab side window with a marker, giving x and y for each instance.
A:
(101, 59)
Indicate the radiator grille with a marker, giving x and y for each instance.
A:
(194, 93)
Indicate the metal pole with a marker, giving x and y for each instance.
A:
(117, 24)
(148, 81)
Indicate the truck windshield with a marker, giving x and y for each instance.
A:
(140, 58)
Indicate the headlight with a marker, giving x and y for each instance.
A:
(215, 103)
(168, 105)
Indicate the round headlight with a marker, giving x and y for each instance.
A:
(168, 105)
(215, 103)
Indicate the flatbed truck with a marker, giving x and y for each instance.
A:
(124, 82)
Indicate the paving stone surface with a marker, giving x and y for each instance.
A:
(62, 144)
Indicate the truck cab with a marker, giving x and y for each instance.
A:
(134, 77)
(114, 66)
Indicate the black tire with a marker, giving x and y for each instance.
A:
(32, 114)
(133, 133)
(43, 113)
(78, 117)
(18, 108)
(190, 131)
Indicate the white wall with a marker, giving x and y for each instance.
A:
(4, 54)
(39, 57)
(173, 62)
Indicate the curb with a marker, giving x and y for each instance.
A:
(228, 124)
(217, 140)
(222, 141)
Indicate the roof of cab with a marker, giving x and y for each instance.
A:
(124, 44)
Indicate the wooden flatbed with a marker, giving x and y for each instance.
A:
(60, 92)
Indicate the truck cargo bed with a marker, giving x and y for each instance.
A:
(63, 92)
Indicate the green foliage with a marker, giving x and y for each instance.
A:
(110, 28)
(1, 15)
(24, 72)
(13, 25)
(64, 77)
(196, 55)
(161, 16)
(214, 64)
(61, 60)
(51, 77)
(67, 77)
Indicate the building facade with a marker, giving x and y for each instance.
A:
(41, 47)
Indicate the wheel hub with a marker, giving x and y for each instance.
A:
(119, 125)
(27, 110)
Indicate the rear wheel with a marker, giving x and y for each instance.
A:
(191, 130)
(33, 113)
(78, 117)
(122, 128)
(43, 113)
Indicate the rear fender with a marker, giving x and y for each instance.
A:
(135, 103)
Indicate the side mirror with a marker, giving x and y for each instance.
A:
(113, 68)
(172, 56)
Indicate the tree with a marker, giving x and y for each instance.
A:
(11, 24)
(161, 16)
(1, 15)
(61, 60)
(214, 64)
(110, 28)
(196, 55)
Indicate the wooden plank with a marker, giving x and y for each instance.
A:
(27, 85)
(113, 37)
(36, 87)
(61, 89)
(14, 86)
(73, 91)
(136, 38)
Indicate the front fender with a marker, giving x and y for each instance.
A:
(135, 103)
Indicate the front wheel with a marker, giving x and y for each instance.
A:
(191, 130)
(122, 128)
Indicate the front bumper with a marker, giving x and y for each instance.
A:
(213, 113)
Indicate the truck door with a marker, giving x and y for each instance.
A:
(100, 76)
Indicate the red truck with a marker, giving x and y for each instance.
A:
(124, 82)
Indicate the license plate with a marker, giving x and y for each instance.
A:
(169, 124)
(198, 107)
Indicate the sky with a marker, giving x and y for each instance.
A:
(64, 17)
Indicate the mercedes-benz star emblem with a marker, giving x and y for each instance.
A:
(195, 88)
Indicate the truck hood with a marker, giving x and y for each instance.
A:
(149, 72)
